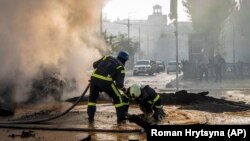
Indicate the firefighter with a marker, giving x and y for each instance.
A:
(108, 76)
(147, 99)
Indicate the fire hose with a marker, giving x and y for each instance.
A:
(18, 124)
(50, 118)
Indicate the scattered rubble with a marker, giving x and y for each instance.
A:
(37, 115)
(24, 134)
(196, 99)
(200, 101)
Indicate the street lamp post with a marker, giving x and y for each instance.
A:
(174, 15)
(132, 57)
(234, 48)
(139, 39)
(147, 46)
(177, 52)
(128, 28)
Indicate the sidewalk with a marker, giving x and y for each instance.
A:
(228, 84)
(236, 90)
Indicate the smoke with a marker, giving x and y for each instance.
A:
(37, 33)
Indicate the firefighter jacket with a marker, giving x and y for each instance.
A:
(148, 99)
(110, 69)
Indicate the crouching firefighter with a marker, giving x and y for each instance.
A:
(108, 76)
(147, 99)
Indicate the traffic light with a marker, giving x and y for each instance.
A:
(173, 9)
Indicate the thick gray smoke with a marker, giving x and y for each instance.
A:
(37, 33)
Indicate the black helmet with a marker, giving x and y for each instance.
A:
(123, 55)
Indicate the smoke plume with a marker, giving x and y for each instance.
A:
(37, 33)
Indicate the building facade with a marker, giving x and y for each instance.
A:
(155, 35)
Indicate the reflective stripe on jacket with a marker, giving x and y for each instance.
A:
(109, 68)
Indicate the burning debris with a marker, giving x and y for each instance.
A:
(44, 33)
(48, 82)
(6, 110)
(7, 106)
(36, 115)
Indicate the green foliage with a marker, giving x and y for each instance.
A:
(208, 18)
(173, 9)
(243, 18)
(110, 40)
(121, 42)
(208, 15)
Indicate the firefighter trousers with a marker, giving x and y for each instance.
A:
(98, 85)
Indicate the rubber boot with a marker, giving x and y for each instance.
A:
(120, 115)
(91, 113)
(126, 109)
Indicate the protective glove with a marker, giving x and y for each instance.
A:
(159, 114)
(146, 111)
(125, 90)
(162, 114)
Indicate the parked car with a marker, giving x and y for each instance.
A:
(171, 67)
(145, 67)
(160, 66)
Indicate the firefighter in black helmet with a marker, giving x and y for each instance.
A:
(108, 76)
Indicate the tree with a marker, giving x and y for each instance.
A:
(208, 17)
(243, 17)
(241, 30)
(125, 44)
(173, 9)
(121, 43)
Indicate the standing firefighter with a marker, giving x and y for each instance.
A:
(108, 76)
(148, 100)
